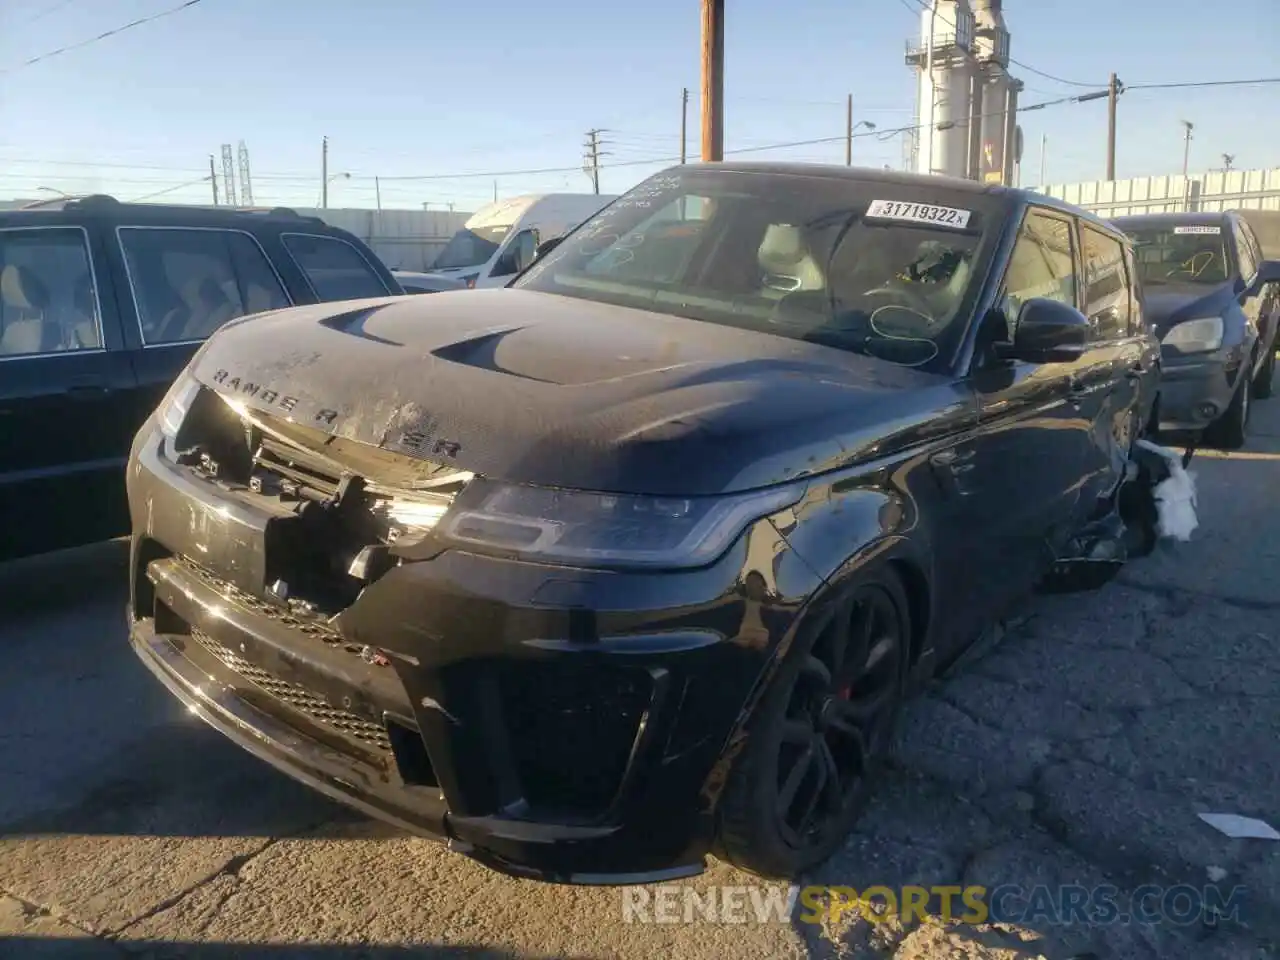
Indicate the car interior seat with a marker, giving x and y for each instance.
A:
(786, 260)
(25, 300)
(84, 322)
(208, 306)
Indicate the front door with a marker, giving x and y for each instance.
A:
(64, 379)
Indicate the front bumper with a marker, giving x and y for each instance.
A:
(556, 724)
(1195, 391)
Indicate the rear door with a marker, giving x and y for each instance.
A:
(64, 381)
(1266, 302)
(1028, 476)
(1120, 358)
(183, 283)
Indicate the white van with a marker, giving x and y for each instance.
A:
(500, 239)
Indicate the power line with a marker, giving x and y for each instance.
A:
(52, 8)
(1201, 83)
(102, 36)
(161, 193)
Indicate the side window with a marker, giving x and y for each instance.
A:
(48, 303)
(1042, 264)
(1244, 252)
(518, 254)
(1106, 288)
(334, 268)
(1137, 321)
(187, 283)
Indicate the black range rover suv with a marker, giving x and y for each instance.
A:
(636, 558)
(102, 304)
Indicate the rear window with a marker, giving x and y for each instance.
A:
(335, 269)
(878, 268)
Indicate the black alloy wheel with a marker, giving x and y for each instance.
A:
(820, 734)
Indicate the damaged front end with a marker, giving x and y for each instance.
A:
(1154, 500)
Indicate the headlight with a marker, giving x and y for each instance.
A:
(600, 529)
(1195, 336)
(173, 408)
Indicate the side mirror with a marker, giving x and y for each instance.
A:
(1047, 332)
(545, 247)
(1268, 272)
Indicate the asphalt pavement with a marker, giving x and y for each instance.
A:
(1072, 752)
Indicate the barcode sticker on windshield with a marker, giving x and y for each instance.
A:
(919, 213)
(1198, 229)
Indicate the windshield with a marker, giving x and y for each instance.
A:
(471, 247)
(1180, 254)
(882, 269)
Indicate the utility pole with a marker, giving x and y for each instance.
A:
(848, 131)
(684, 124)
(591, 158)
(1044, 159)
(1186, 147)
(1113, 94)
(377, 192)
(712, 80)
(495, 191)
(213, 179)
(324, 173)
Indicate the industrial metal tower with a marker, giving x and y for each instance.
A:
(228, 176)
(966, 104)
(246, 184)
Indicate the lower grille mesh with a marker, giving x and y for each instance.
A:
(299, 697)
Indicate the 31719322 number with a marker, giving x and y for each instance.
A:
(919, 213)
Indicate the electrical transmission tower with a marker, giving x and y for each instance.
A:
(591, 158)
(246, 185)
(228, 176)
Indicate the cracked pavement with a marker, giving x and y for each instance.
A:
(1076, 746)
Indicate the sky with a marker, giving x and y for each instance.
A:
(446, 103)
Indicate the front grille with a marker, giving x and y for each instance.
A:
(317, 628)
(299, 697)
(572, 728)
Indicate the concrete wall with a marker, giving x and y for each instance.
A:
(403, 239)
(1235, 189)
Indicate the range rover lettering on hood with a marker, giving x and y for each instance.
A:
(420, 440)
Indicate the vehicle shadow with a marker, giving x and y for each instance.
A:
(66, 948)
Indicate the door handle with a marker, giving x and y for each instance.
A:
(87, 391)
(1136, 370)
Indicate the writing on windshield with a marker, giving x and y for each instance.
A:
(1180, 254)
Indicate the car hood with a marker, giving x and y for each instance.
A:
(553, 390)
(1170, 304)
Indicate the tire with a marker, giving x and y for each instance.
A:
(800, 729)
(1229, 432)
(1262, 383)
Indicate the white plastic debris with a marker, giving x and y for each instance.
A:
(1240, 828)
(1175, 496)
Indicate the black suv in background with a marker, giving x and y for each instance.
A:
(102, 304)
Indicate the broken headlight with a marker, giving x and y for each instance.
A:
(1195, 336)
(603, 529)
(173, 408)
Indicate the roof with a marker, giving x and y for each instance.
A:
(1013, 196)
(108, 208)
(1171, 219)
